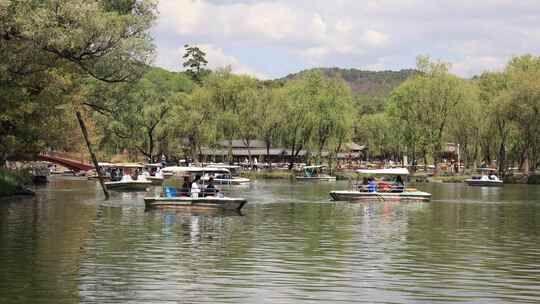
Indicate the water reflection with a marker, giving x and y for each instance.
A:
(291, 245)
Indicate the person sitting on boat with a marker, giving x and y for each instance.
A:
(135, 175)
(398, 186)
(364, 186)
(384, 186)
(372, 185)
(186, 187)
(195, 189)
(211, 188)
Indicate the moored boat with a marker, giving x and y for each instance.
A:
(105, 169)
(383, 190)
(209, 202)
(486, 179)
(314, 173)
(131, 179)
(228, 175)
(205, 198)
(154, 174)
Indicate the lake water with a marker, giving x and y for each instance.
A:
(291, 245)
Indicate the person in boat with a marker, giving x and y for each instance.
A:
(398, 186)
(186, 187)
(364, 186)
(211, 188)
(116, 175)
(135, 175)
(372, 185)
(195, 188)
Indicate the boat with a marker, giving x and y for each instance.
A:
(40, 175)
(105, 168)
(172, 197)
(131, 179)
(154, 174)
(228, 175)
(488, 178)
(315, 173)
(382, 190)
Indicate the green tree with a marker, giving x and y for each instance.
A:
(466, 123)
(426, 102)
(47, 47)
(195, 61)
(524, 107)
(268, 113)
(299, 115)
(497, 132)
(137, 112)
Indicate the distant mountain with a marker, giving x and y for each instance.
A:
(371, 83)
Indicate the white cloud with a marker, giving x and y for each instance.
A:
(172, 59)
(471, 65)
(280, 35)
(375, 38)
(263, 21)
(218, 59)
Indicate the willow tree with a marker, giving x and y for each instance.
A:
(333, 118)
(430, 97)
(231, 95)
(134, 116)
(269, 116)
(302, 95)
(466, 123)
(524, 107)
(62, 42)
(191, 124)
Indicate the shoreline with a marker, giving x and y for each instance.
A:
(420, 178)
(14, 183)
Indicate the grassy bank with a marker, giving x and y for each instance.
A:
(274, 174)
(345, 175)
(11, 182)
(450, 178)
(285, 174)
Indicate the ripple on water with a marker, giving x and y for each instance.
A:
(291, 246)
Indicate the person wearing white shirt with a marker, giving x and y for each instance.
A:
(195, 189)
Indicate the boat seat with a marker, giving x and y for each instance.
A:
(170, 192)
(209, 192)
(397, 189)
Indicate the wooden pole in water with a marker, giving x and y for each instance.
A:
(92, 155)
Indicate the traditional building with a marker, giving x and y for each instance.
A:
(257, 149)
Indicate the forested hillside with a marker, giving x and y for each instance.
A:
(370, 88)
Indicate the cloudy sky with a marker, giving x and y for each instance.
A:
(272, 38)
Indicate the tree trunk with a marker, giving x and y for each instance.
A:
(425, 161)
(150, 151)
(502, 160)
(525, 161)
(267, 151)
(249, 154)
(92, 155)
(230, 156)
(3, 161)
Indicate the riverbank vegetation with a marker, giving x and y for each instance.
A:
(93, 59)
(11, 182)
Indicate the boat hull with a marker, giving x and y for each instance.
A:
(234, 181)
(128, 186)
(317, 178)
(380, 196)
(483, 183)
(155, 180)
(95, 177)
(209, 202)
